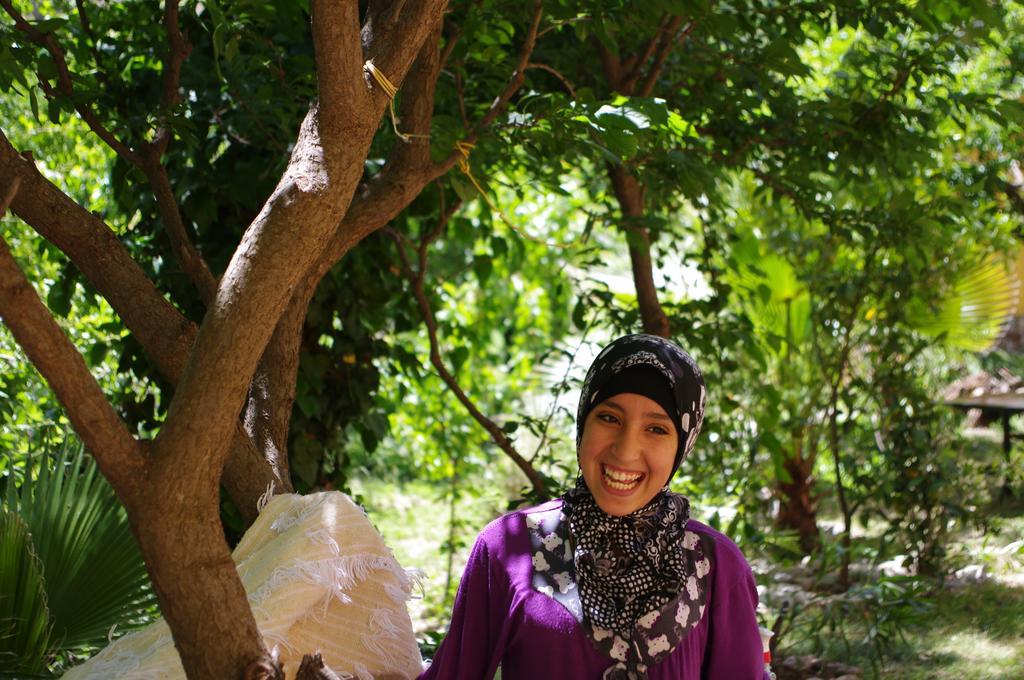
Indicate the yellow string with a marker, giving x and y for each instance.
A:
(390, 90)
(464, 148)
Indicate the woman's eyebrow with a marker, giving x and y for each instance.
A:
(650, 414)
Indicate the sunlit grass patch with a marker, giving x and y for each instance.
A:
(976, 632)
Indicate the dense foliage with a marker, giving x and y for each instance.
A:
(817, 188)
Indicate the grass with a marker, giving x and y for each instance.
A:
(974, 633)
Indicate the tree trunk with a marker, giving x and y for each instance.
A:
(797, 511)
(201, 596)
(630, 194)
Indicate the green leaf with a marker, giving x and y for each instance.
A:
(47, 68)
(58, 298)
(97, 353)
(1012, 109)
(33, 101)
(24, 615)
(231, 49)
(53, 111)
(458, 357)
(95, 577)
(483, 265)
(579, 315)
(620, 142)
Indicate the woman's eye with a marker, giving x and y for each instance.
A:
(657, 429)
(607, 418)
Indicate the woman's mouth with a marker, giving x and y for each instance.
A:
(620, 481)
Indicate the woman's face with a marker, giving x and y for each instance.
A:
(629, 444)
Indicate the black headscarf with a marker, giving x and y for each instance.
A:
(641, 577)
(633, 363)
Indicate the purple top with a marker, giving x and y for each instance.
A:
(499, 618)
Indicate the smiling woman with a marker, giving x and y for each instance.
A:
(614, 580)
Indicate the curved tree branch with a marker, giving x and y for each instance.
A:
(416, 278)
(164, 333)
(665, 43)
(561, 78)
(634, 64)
(118, 454)
(630, 195)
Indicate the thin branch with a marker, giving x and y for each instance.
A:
(630, 195)
(83, 19)
(554, 25)
(610, 64)
(634, 64)
(565, 81)
(185, 252)
(64, 83)
(416, 279)
(519, 74)
(461, 99)
(177, 51)
(668, 40)
(416, 109)
(118, 454)
(501, 101)
(449, 46)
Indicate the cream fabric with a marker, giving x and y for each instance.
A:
(318, 577)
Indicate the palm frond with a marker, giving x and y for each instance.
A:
(974, 314)
(24, 616)
(94, 573)
(776, 301)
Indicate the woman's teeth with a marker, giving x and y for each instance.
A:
(621, 480)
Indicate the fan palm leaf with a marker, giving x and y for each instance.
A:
(94, 574)
(776, 301)
(24, 615)
(974, 313)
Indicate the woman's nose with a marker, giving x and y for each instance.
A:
(627, 445)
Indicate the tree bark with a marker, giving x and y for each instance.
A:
(630, 194)
(797, 510)
(171, 492)
(177, 524)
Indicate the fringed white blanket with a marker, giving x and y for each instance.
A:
(319, 577)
